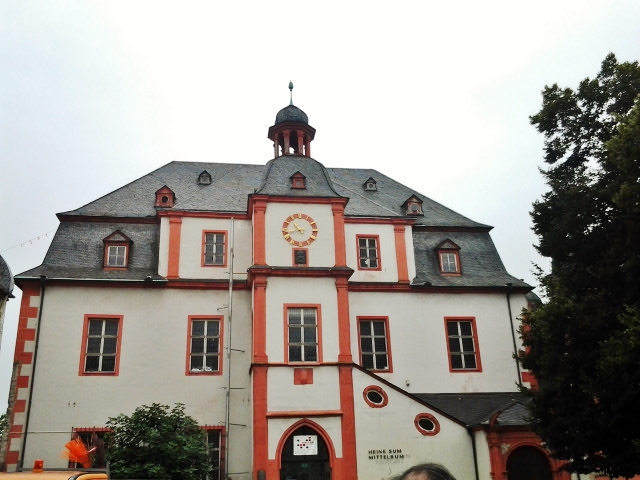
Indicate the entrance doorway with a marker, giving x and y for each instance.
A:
(305, 456)
(528, 463)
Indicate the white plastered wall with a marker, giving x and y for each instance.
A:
(301, 291)
(388, 441)
(278, 250)
(387, 245)
(419, 343)
(152, 365)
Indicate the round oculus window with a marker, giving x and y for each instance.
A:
(375, 396)
(427, 424)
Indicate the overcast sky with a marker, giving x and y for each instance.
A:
(437, 95)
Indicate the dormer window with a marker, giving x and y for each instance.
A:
(413, 206)
(449, 258)
(204, 178)
(370, 185)
(117, 248)
(165, 198)
(298, 181)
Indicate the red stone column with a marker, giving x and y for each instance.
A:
(401, 254)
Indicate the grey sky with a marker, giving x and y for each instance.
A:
(437, 95)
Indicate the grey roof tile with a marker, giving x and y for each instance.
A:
(480, 408)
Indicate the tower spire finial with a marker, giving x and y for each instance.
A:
(290, 92)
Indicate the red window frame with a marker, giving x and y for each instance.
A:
(193, 318)
(430, 418)
(203, 256)
(379, 391)
(218, 472)
(385, 321)
(101, 355)
(302, 343)
(366, 258)
(460, 342)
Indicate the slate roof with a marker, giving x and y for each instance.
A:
(473, 409)
(76, 250)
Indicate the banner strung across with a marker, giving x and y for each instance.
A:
(305, 444)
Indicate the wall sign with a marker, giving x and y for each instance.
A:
(305, 444)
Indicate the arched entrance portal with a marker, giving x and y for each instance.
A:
(528, 463)
(305, 456)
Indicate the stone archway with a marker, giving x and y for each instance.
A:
(305, 456)
(528, 463)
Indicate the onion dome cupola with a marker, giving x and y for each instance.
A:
(291, 134)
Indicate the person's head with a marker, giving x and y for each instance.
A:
(426, 471)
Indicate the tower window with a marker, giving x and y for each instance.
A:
(298, 181)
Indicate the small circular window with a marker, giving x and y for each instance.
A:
(427, 424)
(375, 396)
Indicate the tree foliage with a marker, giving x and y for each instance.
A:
(583, 345)
(157, 442)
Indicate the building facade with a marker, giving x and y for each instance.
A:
(319, 323)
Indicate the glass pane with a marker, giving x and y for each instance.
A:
(295, 335)
(465, 328)
(93, 345)
(295, 316)
(381, 344)
(381, 362)
(366, 345)
(373, 263)
(454, 345)
(452, 328)
(365, 328)
(95, 327)
(456, 361)
(109, 345)
(91, 364)
(467, 344)
(213, 345)
(367, 361)
(310, 353)
(309, 316)
(213, 328)
(108, 364)
(197, 328)
(111, 327)
(197, 345)
(470, 361)
(378, 328)
(212, 363)
(295, 353)
(196, 363)
(310, 335)
(362, 245)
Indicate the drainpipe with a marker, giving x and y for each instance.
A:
(227, 420)
(43, 279)
(475, 451)
(513, 335)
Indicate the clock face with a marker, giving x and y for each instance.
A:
(299, 229)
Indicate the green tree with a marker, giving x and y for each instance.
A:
(584, 342)
(157, 442)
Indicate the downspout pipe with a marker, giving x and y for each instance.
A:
(43, 279)
(513, 335)
(475, 451)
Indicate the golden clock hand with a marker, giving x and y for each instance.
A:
(301, 230)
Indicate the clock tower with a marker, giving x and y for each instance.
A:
(302, 382)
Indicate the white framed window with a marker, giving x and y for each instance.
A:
(101, 345)
(205, 344)
(374, 344)
(302, 334)
(462, 344)
(368, 252)
(449, 262)
(214, 249)
(116, 256)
